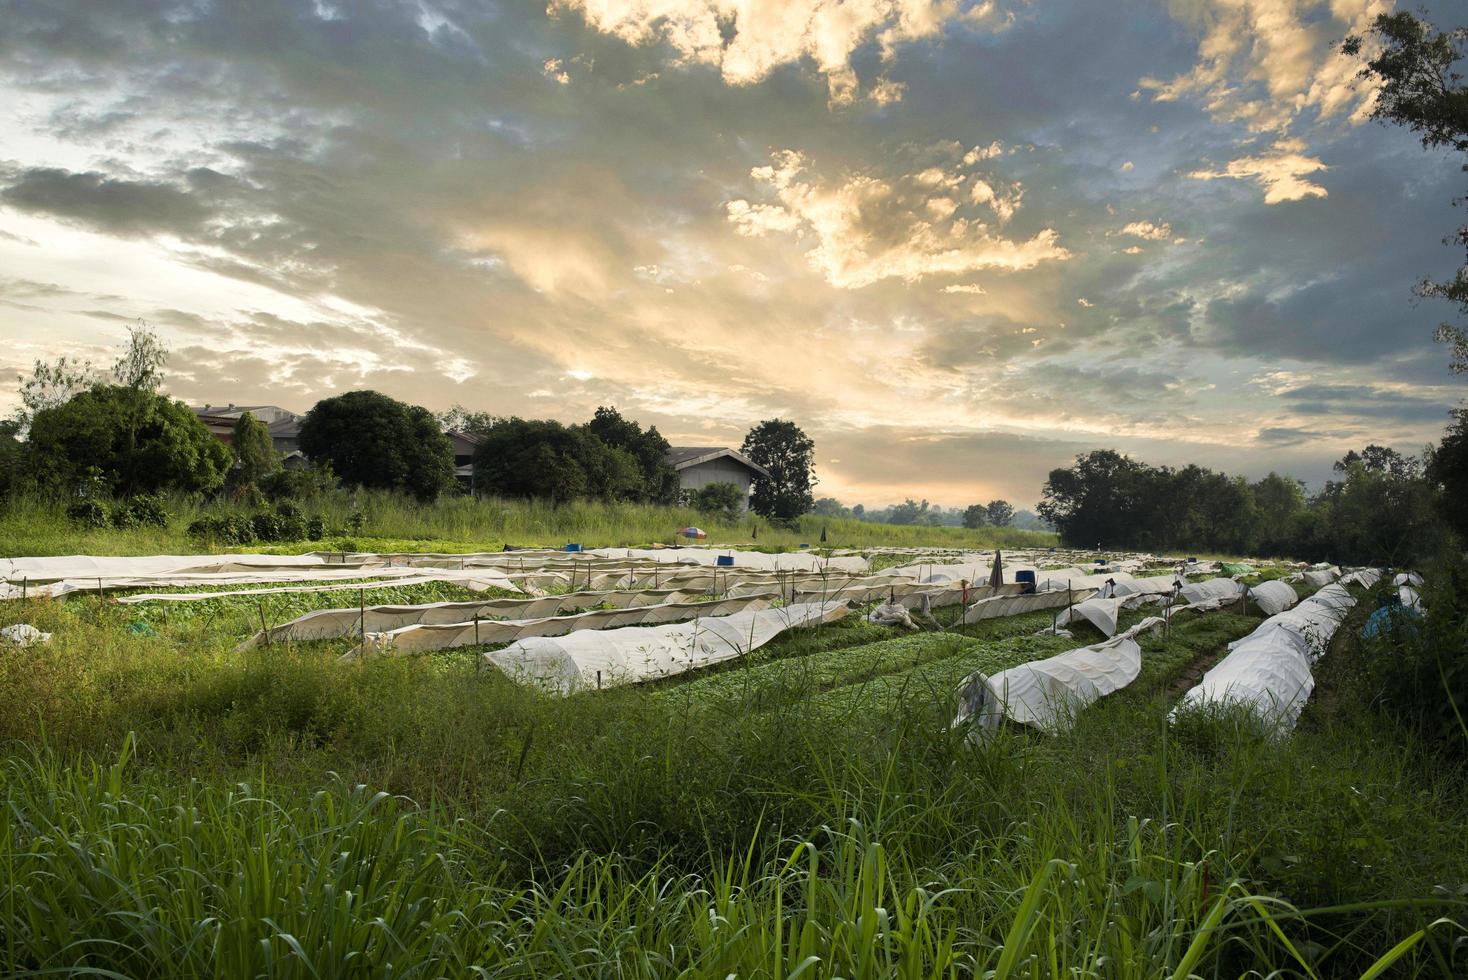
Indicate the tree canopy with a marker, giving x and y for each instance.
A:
(254, 452)
(659, 481)
(141, 442)
(789, 455)
(543, 459)
(371, 440)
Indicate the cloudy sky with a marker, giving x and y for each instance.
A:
(958, 242)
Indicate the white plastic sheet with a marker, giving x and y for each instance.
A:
(325, 624)
(1015, 605)
(1100, 613)
(1364, 577)
(1273, 597)
(423, 637)
(1268, 671)
(1214, 591)
(588, 660)
(1408, 578)
(1048, 694)
(1317, 577)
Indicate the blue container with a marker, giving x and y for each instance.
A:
(725, 560)
(1026, 578)
(573, 547)
(805, 546)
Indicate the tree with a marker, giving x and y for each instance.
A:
(51, 385)
(254, 452)
(371, 440)
(1447, 469)
(140, 442)
(659, 481)
(543, 459)
(720, 501)
(1000, 513)
(1278, 502)
(830, 507)
(1420, 89)
(975, 515)
(140, 367)
(789, 456)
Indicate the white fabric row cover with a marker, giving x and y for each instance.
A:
(1015, 605)
(554, 559)
(1409, 597)
(1274, 597)
(1213, 590)
(1268, 671)
(1413, 579)
(447, 636)
(1074, 578)
(1155, 585)
(909, 595)
(476, 579)
(1321, 576)
(474, 584)
(325, 624)
(974, 574)
(592, 659)
(1048, 694)
(1100, 613)
(56, 568)
(1364, 577)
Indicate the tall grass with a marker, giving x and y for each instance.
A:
(180, 808)
(32, 525)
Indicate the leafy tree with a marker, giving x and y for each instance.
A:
(1000, 513)
(51, 385)
(12, 458)
(371, 440)
(1383, 512)
(1278, 502)
(138, 441)
(1447, 469)
(543, 459)
(140, 367)
(254, 452)
(830, 507)
(908, 512)
(975, 515)
(1096, 500)
(789, 455)
(1421, 89)
(721, 501)
(659, 481)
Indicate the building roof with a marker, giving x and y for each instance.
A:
(682, 457)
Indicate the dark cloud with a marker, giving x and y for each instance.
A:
(122, 207)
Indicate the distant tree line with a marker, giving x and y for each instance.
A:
(1381, 506)
(997, 513)
(88, 435)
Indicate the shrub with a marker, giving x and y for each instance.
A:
(315, 529)
(720, 501)
(89, 513)
(144, 510)
(301, 483)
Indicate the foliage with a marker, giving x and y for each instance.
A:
(167, 814)
(543, 459)
(51, 385)
(1420, 89)
(831, 507)
(140, 366)
(141, 442)
(1420, 665)
(788, 454)
(89, 512)
(255, 457)
(1383, 510)
(12, 458)
(371, 440)
(143, 510)
(659, 481)
(1001, 513)
(721, 501)
(975, 515)
(1447, 469)
(299, 483)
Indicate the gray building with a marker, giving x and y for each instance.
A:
(284, 426)
(698, 466)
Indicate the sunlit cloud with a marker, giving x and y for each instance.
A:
(1281, 171)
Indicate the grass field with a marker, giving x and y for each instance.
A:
(34, 526)
(175, 807)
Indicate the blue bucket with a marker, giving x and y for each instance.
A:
(573, 547)
(724, 560)
(1026, 578)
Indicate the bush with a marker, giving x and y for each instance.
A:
(89, 513)
(301, 483)
(720, 501)
(144, 510)
(315, 529)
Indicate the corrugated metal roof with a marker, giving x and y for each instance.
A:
(682, 457)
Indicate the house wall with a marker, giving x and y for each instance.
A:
(717, 471)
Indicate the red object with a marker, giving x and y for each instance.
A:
(693, 532)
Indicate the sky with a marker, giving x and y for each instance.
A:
(957, 242)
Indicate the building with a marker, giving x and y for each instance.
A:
(464, 445)
(284, 426)
(698, 466)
